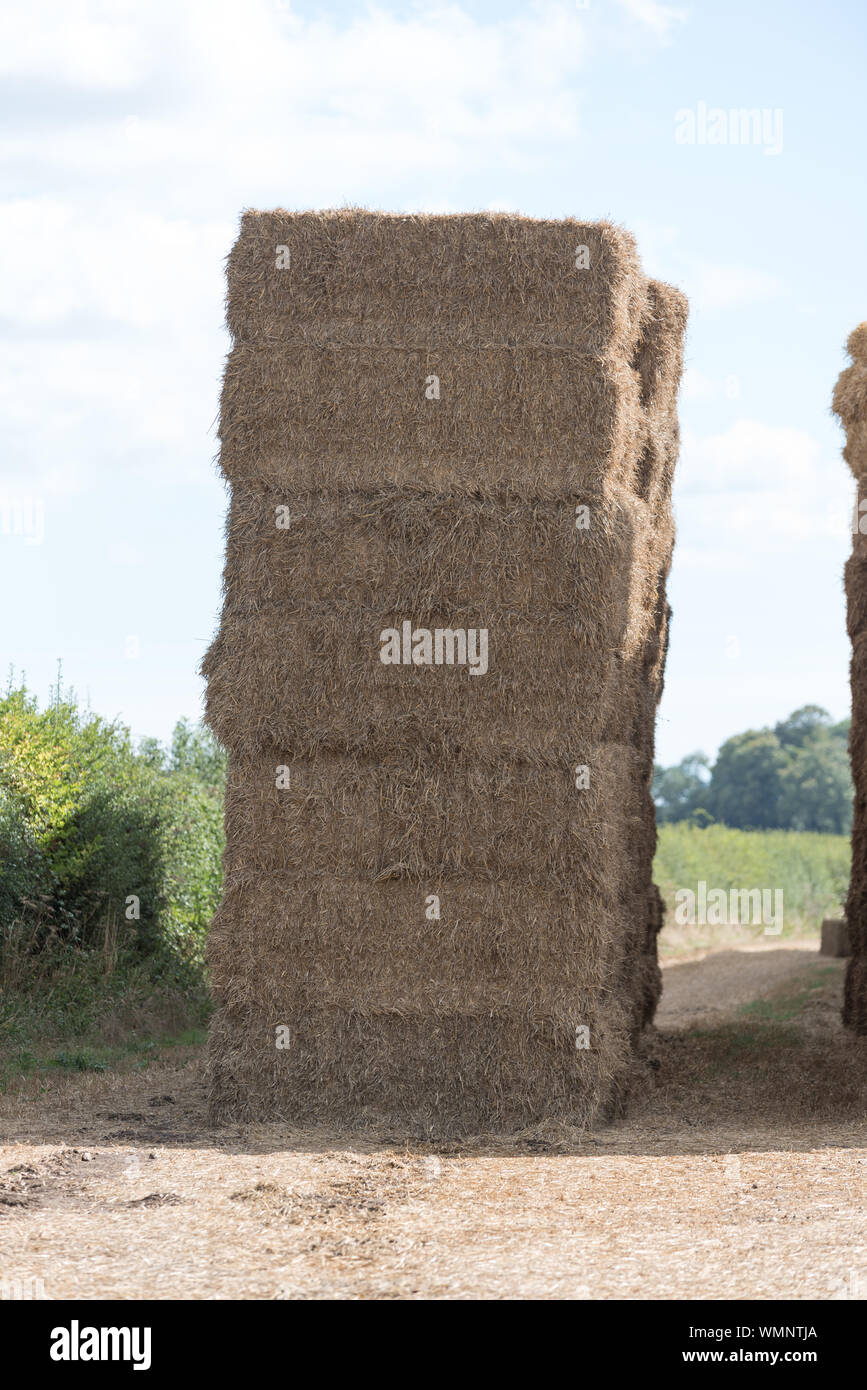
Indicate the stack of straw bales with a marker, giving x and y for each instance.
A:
(850, 404)
(468, 424)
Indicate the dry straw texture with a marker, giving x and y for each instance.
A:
(850, 404)
(562, 420)
(315, 681)
(471, 281)
(414, 820)
(420, 888)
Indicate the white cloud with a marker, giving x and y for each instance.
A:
(759, 485)
(77, 42)
(244, 96)
(750, 456)
(659, 18)
(107, 263)
(77, 413)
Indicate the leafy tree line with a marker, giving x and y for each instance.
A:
(105, 847)
(794, 776)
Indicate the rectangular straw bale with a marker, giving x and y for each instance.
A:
(659, 354)
(307, 673)
(858, 725)
(850, 401)
(357, 418)
(410, 820)
(431, 1075)
(405, 551)
(649, 980)
(637, 982)
(659, 360)
(315, 681)
(288, 943)
(368, 278)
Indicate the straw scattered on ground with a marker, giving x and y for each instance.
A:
(742, 1173)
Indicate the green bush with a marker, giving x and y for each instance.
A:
(110, 857)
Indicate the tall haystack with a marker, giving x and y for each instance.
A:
(450, 443)
(850, 404)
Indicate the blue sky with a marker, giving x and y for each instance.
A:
(132, 137)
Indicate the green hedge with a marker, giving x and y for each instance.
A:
(100, 842)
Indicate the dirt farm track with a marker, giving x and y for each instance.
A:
(739, 1171)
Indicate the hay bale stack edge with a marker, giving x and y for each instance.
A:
(850, 405)
(450, 444)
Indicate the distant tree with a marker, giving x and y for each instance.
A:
(151, 751)
(841, 731)
(195, 751)
(816, 787)
(792, 777)
(679, 791)
(803, 726)
(746, 785)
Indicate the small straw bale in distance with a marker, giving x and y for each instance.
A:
(459, 423)
(850, 405)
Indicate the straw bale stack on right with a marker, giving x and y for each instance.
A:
(850, 405)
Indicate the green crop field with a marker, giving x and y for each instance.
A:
(811, 871)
